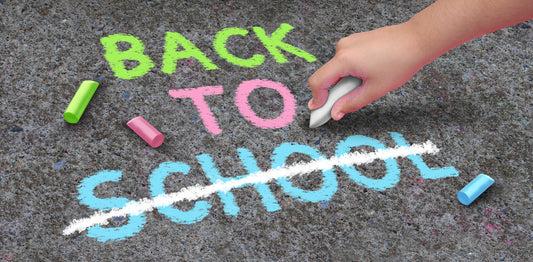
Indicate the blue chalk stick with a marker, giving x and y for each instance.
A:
(470, 192)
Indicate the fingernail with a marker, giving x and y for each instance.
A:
(338, 116)
(311, 103)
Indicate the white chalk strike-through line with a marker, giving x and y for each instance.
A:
(196, 192)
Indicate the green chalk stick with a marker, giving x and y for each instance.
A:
(80, 101)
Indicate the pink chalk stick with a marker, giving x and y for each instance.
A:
(146, 131)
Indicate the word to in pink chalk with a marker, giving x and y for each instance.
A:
(241, 101)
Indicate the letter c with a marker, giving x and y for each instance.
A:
(219, 44)
(158, 176)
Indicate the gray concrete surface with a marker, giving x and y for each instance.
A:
(474, 103)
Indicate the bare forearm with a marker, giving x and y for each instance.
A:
(449, 23)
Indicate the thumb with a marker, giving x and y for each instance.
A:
(324, 77)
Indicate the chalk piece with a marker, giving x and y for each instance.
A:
(80, 101)
(98, 79)
(322, 114)
(470, 192)
(146, 131)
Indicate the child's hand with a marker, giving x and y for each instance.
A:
(384, 59)
(388, 57)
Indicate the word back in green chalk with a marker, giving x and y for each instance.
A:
(174, 41)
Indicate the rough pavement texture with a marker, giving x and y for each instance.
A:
(474, 103)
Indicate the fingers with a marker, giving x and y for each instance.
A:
(353, 101)
(322, 79)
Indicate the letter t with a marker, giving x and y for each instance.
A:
(198, 98)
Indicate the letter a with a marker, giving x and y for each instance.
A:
(171, 55)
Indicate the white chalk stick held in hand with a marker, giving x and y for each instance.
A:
(322, 114)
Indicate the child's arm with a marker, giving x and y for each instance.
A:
(388, 57)
(448, 23)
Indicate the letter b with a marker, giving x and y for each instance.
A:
(116, 58)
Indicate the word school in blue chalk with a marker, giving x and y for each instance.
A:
(279, 156)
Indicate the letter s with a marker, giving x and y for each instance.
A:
(86, 197)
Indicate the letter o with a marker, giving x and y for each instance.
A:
(329, 185)
(289, 103)
(393, 172)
